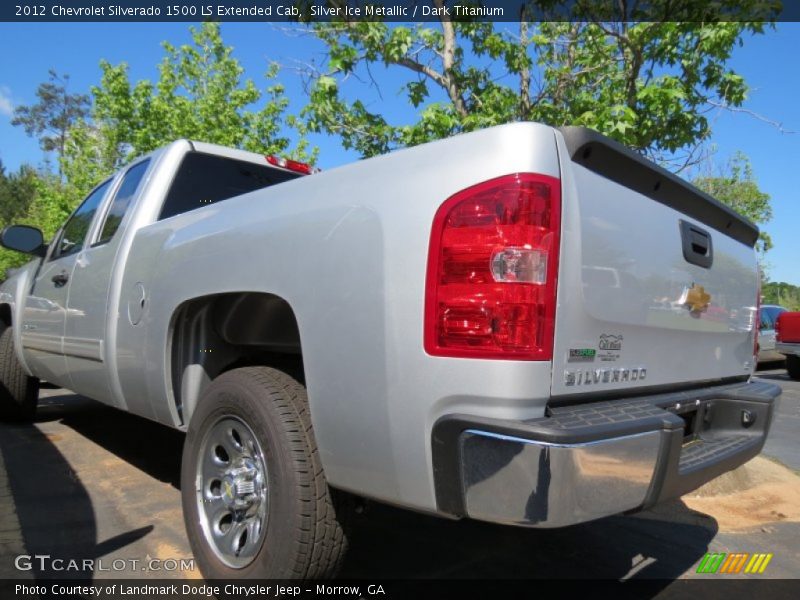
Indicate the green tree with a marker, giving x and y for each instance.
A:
(782, 293)
(646, 84)
(200, 94)
(52, 117)
(736, 186)
(19, 192)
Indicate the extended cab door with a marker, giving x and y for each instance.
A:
(85, 340)
(45, 310)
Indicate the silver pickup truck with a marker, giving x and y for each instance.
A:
(523, 325)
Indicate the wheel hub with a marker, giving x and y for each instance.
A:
(238, 487)
(232, 494)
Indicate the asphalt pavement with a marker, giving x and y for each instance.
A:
(90, 482)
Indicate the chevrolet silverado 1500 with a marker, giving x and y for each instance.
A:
(523, 325)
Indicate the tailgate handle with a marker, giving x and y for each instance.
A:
(697, 247)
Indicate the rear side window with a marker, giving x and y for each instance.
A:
(204, 179)
(122, 201)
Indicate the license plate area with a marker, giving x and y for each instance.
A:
(693, 417)
(689, 426)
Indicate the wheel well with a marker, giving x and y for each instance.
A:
(5, 314)
(214, 334)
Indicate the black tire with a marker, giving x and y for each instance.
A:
(19, 393)
(793, 366)
(304, 537)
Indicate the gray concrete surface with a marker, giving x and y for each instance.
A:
(89, 482)
(784, 438)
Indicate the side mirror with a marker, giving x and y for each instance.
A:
(25, 239)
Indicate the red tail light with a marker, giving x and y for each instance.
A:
(492, 270)
(757, 325)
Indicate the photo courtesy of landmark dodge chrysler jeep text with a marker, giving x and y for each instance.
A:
(523, 325)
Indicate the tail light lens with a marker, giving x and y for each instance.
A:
(292, 165)
(757, 323)
(492, 270)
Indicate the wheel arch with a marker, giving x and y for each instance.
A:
(210, 335)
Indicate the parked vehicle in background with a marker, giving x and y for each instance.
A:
(766, 333)
(787, 328)
(525, 325)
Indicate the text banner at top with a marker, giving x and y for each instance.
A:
(398, 10)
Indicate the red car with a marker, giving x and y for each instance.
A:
(787, 329)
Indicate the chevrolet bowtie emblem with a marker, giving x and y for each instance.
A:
(697, 299)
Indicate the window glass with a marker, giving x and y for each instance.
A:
(204, 179)
(766, 319)
(122, 201)
(77, 227)
(773, 312)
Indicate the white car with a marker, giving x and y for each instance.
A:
(766, 333)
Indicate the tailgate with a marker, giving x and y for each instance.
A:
(658, 281)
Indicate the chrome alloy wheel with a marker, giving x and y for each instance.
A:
(232, 494)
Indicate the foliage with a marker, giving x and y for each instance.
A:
(52, 117)
(17, 192)
(736, 186)
(25, 198)
(784, 294)
(649, 85)
(199, 95)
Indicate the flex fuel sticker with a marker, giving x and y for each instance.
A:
(581, 355)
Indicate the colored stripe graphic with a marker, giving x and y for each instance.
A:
(711, 562)
(734, 562)
(758, 563)
(741, 562)
(722, 562)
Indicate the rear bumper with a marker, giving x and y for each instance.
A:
(594, 460)
(787, 348)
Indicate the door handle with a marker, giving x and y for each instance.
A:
(61, 279)
(697, 247)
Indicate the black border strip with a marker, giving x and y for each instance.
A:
(622, 165)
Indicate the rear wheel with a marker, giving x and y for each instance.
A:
(255, 499)
(793, 366)
(19, 393)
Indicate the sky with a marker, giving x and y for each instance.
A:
(767, 62)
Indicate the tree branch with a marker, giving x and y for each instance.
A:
(448, 61)
(776, 124)
(524, 70)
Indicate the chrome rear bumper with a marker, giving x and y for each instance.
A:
(594, 460)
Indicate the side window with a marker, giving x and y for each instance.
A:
(772, 313)
(766, 320)
(204, 179)
(122, 201)
(74, 233)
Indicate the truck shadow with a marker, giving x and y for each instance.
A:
(52, 513)
(385, 542)
(148, 446)
(391, 543)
